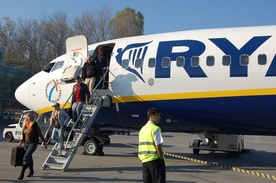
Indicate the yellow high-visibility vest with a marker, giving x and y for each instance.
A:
(147, 149)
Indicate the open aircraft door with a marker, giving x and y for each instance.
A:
(76, 53)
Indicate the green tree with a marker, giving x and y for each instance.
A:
(127, 23)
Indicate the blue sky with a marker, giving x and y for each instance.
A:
(160, 15)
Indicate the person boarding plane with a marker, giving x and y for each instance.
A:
(218, 83)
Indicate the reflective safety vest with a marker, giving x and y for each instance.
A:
(147, 149)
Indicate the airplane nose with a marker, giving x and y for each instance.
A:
(22, 95)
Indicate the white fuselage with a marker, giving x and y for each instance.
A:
(202, 80)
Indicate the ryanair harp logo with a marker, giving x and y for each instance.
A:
(132, 52)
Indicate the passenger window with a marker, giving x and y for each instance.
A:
(125, 63)
(262, 59)
(152, 62)
(244, 60)
(180, 61)
(138, 63)
(226, 60)
(210, 61)
(166, 62)
(195, 61)
(57, 66)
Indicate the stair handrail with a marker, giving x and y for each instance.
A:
(78, 119)
(102, 79)
(94, 97)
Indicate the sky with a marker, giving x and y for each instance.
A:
(159, 15)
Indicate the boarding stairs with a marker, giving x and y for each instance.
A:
(70, 147)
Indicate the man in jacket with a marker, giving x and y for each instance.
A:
(90, 71)
(80, 95)
(150, 149)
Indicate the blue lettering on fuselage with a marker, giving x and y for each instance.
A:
(193, 48)
(236, 69)
(272, 68)
(165, 48)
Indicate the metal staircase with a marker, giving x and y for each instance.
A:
(88, 113)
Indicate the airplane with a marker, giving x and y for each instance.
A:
(217, 83)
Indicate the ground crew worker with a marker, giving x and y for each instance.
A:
(150, 149)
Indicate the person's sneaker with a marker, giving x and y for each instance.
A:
(60, 155)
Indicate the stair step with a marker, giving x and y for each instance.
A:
(53, 166)
(57, 159)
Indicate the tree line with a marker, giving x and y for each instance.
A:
(31, 43)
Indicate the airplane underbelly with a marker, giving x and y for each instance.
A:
(229, 115)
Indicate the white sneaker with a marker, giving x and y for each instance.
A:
(60, 155)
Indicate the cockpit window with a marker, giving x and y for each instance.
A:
(58, 65)
(49, 67)
(53, 66)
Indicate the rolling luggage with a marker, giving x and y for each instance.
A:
(17, 155)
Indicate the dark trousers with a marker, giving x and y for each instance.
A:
(154, 171)
(30, 148)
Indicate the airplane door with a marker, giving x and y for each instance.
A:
(76, 50)
(76, 53)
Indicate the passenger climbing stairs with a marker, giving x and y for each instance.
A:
(62, 162)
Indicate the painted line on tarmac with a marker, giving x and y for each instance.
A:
(236, 169)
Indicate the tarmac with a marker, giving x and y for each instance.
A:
(121, 164)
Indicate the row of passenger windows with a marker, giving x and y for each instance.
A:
(210, 61)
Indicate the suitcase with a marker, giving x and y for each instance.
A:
(17, 155)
